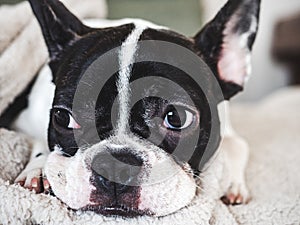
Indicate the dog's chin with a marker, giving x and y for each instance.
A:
(117, 210)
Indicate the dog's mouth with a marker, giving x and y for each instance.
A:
(116, 210)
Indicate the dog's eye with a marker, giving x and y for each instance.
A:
(64, 119)
(178, 118)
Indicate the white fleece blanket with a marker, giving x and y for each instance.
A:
(272, 129)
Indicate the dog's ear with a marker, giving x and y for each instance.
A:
(60, 27)
(226, 42)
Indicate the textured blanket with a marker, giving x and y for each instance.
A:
(22, 48)
(271, 127)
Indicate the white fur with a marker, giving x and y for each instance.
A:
(69, 179)
(169, 195)
(224, 115)
(34, 120)
(126, 59)
(102, 23)
(236, 152)
(166, 186)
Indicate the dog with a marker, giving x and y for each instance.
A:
(130, 151)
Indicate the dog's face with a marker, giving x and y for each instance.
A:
(135, 149)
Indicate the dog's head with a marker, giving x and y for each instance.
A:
(130, 126)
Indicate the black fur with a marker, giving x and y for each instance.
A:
(73, 47)
(59, 26)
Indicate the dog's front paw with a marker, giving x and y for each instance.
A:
(236, 194)
(34, 179)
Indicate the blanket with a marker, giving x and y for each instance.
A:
(22, 48)
(272, 128)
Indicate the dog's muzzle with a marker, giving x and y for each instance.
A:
(116, 176)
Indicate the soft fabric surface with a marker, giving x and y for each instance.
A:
(22, 48)
(271, 127)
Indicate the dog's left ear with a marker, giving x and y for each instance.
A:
(59, 26)
(226, 42)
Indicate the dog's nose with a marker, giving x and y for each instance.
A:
(116, 171)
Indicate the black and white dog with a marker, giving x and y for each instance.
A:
(114, 154)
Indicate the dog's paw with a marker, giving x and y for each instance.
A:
(32, 177)
(34, 180)
(236, 194)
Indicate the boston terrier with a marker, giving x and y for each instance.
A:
(132, 110)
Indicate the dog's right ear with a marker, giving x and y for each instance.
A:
(59, 26)
(226, 42)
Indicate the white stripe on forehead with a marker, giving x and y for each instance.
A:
(102, 23)
(126, 59)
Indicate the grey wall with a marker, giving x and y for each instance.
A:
(181, 15)
(9, 1)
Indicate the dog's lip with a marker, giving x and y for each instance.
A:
(116, 210)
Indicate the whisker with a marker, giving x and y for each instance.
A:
(60, 151)
(199, 179)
